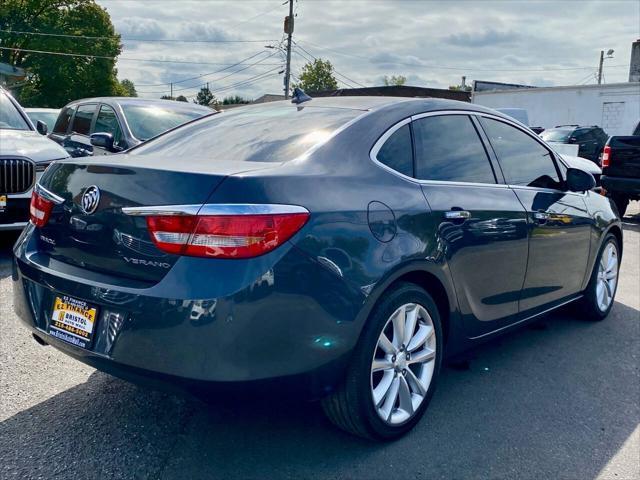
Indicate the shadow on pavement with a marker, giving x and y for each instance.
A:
(554, 401)
(7, 239)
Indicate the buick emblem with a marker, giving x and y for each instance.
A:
(90, 199)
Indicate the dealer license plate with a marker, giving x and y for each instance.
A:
(3, 202)
(73, 321)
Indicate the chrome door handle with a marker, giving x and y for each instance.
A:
(457, 215)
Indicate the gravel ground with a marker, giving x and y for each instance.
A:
(556, 400)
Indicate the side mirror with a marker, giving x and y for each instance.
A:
(41, 127)
(579, 180)
(102, 140)
(572, 140)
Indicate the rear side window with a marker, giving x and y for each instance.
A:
(397, 151)
(448, 148)
(261, 133)
(82, 119)
(524, 161)
(62, 123)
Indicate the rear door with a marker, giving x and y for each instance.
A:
(78, 143)
(482, 225)
(559, 222)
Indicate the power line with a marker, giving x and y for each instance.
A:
(335, 70)
(216, 79)
(203, 75)
(247, 81)
(120, 59)
(130, 39)
(348, 85)
(448, 67)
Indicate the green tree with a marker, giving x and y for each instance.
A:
(126, 88)
(317, 76)
(181, 98)
(205, 97)
(394, 80)
(234, 100)
(166, 97)
(54, 80)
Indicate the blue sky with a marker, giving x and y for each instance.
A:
(432, 43)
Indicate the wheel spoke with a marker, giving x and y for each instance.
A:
(381, 364)
(385, 344)
(415, 383)
(600, 292)
(611, 275)
(608, 291)
(422, 356)
(380, 392)
(410, 324)
(423, 334)
(398, 326)
(390, 398)
(406, 402)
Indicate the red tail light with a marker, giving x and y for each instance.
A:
(606, 156)
(39, 210)
(224, 236)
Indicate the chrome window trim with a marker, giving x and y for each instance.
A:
(220, 209)
(47, 194)
(380, 142)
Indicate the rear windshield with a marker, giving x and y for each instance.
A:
(272, 133)
(147, 121)
(10, 117)
(560, 136)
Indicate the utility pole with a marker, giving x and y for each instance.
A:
(600, 67)
(288, 29)
(171, 96)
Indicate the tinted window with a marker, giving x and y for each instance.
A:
(556, 135)
(10, 117)
(397, 151)
(148, 121)
(107, 122)
(261, 133)
(524, 161)
(62, 124)
(449, 148)
(82, 120)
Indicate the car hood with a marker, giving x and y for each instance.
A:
(30, 144)
(582, 164)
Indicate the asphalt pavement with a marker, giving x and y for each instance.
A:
(559, 399)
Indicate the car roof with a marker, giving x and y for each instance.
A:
(35, 110)
(141, 101)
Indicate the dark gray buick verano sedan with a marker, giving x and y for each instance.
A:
(341, 246)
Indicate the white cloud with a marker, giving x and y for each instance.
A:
(432, 43)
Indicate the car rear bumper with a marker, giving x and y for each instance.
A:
(296, 319)
(628, 186)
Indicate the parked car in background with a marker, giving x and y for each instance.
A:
(47, 116)
(341, 247)
(24, 155)
(621, 169)
(107, 125)
(590, 140)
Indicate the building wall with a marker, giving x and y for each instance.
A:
(614, 107)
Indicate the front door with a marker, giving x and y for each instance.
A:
(559, 223)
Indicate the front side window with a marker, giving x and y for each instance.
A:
(82, 120)
(448, 148)
(397, 151)
(524, 161)
(62, 124)
(10, 117)
(107, 122)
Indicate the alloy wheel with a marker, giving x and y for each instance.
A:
(403, 363)
(607, 276)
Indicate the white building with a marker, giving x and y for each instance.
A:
(615, 106)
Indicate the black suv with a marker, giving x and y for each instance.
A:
(106, 125)
(590, 140)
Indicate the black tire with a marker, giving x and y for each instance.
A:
(351, 406)
(621, 203)
(588, 307)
